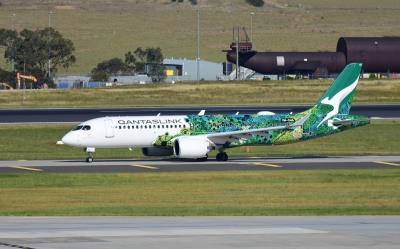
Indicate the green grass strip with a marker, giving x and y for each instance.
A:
(312, 192)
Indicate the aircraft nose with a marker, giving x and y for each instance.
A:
(70, 139)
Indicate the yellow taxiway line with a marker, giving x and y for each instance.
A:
(144, 166)
(262, 164)
(26, 168)
(268, 165)
(388, 163)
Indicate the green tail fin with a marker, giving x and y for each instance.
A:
(339, 96)
(342, 90)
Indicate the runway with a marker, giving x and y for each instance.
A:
(200, 232)
(76, 115)
(168, 165)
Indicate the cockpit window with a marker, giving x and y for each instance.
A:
(86, 128)
(77, 128)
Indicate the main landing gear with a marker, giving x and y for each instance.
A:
(222, 156)
(89, 151)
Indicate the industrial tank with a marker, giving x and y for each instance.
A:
(378, 55)
(290, 62)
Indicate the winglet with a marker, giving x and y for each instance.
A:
(201, 113)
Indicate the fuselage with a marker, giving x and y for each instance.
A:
(159, 131)
(124, 132)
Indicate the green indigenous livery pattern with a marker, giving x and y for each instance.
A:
(330, 115)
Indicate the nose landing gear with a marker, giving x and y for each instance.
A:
(89, 159)
(90, 151)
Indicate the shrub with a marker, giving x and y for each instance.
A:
(256, 3)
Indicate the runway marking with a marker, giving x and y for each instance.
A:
(388, 163)
(263, 164)
(268, 165)
(144, 166)
(26, 168)
(15, 246)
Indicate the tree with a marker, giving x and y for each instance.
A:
(256, 3)
(7, 77)
(30, 51)
(130, 60)
(134, 62)
(108, 68)
(154, 58)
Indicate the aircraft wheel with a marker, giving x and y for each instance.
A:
(222, 156)
(89, 159)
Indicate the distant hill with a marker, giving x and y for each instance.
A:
(115, 4)
(223, 4)
(102, 29)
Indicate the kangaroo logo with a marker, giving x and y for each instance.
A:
(336, 100)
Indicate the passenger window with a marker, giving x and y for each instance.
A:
(162, 126)
(129, 127)
(120, 127)
(145, 126)
(176, 126)
(158, 126)
(124, 127)
(137, 126)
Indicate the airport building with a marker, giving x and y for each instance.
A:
(186, 70)
(176, 70)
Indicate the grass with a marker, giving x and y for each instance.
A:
(205, 93)
(316, 192)
(30, 142)
(102, 30)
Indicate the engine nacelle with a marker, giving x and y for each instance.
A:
(191, 147)
(157, 151)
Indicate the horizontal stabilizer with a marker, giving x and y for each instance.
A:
(349, 122)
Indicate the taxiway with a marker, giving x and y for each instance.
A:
(169, 165)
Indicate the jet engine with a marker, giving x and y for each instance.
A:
(191, 147)
(157, 151)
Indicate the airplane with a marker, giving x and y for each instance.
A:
(194, 136)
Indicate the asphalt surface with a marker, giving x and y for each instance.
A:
(78, 115)
(200, 232)
(142, 166)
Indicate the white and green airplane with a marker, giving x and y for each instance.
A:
(194, 136)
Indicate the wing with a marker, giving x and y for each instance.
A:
(230, 136)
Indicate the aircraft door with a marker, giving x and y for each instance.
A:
(109, 128)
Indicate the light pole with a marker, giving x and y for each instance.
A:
(13, 28)
(198, 45)
(251, 26)
(49, 64)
